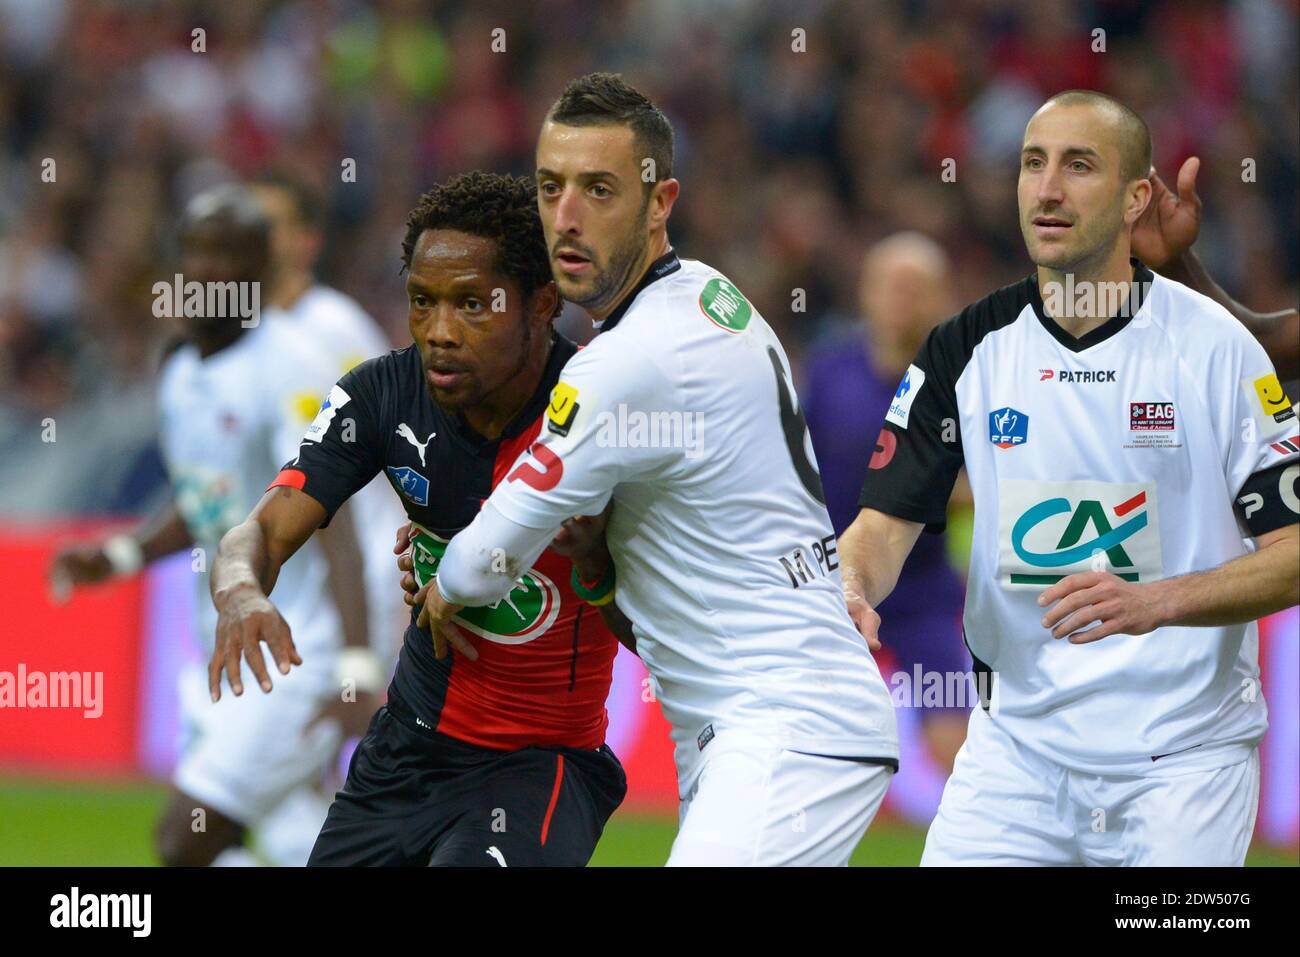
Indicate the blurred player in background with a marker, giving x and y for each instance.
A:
(496, 757)
(336, 324)
(231, 398)
(847, 387)
(724, 554)
(1163, 238)
(1119, 450)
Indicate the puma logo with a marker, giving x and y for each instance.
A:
(405, 432)
(496, 855)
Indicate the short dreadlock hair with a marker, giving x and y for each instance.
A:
(501, 208)
(606, 99)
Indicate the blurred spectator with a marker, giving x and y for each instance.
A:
(846, 388)
(795, 151)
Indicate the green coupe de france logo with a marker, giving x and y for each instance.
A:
(524, 614)
(1084, 526)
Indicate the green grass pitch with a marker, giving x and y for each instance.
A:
(98, 824)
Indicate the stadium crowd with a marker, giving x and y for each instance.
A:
(805, 133)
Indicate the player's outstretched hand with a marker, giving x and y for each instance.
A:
(1119, 607)
(435, 614)
(245, 619)
(1169, 225)
(77, 565)
(864, 617)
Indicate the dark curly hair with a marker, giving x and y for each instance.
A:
(501, 208)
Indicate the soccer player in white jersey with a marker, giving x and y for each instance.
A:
(336, 324)
(682, 413)
(235, 398)
(1124, 436)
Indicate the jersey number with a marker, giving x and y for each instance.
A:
(795, 429)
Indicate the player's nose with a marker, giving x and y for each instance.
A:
(1050, 187)
(444, 328)
(568, 217)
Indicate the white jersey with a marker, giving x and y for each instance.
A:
(682, 410)
(335, 323)
(1123, 451)
(228, 423)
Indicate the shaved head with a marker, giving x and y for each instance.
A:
(1132, 137)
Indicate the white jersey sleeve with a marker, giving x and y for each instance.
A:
(1255, 427)
(595, 438)
(482, 561)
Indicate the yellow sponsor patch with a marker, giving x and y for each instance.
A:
(563, 407)
(1271, 394)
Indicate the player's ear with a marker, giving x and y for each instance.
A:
(544, 305)
(1139, 195)
(662, 198)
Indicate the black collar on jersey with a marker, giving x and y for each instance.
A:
(665, 265)
(1142, 277)
(562, 350)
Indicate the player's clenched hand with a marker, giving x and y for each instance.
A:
(1119, 607)
(435, 614)
(1169, 224)
(406, 564)
(403, 539)
(245, 619)
(864, 617)
(582, 536)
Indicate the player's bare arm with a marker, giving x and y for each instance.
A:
(1163, 237)
(872, 551)
(1244, 589)
(345, 563)
(243, 574)
(163, 533)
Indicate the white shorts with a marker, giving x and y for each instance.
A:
(244, 755)
(1005, 806)
(755, 804)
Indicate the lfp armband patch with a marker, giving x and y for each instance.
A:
(1268, 500)
(563, 408)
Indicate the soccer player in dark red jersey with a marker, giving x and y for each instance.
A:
(494, 755)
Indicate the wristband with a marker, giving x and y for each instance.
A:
(124, 554)
(360, 666)
(597, 593)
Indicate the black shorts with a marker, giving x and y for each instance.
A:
(414, 797)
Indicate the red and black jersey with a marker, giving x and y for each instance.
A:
(544, 666)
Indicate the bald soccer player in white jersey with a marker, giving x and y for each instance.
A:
(1125, 437)
(681, 412)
